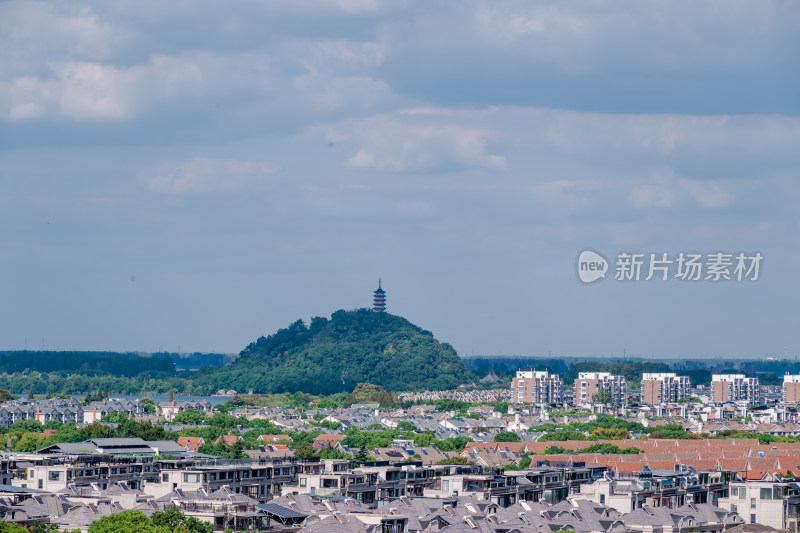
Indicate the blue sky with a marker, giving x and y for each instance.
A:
(192, 175)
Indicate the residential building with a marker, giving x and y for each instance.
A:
(590, 383)
(791, 388)
(532, 386)
(770, 501)
(664, 387)
(735, 388)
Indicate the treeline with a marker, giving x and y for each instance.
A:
(85, 363)
(631, 371)
(58, 383)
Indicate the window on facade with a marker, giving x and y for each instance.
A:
(302, 482)
(733, 508)
(56, 475)
(742, 493)
(766, 493)
(602, 499)
(191, 478)
(752, 503)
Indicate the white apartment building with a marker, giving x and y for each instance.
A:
(532, 386)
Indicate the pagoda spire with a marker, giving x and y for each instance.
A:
(379, 299)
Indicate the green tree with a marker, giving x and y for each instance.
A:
(507, 436)
(173, 518)
(189, 416)
(361, 457)
(603, 396)
(126, 522)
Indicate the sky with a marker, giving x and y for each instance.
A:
(191, 175)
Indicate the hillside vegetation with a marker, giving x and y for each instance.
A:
(330, 356)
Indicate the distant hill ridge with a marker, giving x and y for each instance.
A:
(334, 355)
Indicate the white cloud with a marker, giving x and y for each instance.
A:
(99, 92)
(206, 176)
(665, 190)
(414, 143)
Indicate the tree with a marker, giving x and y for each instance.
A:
(603, 396)
(189, 416)
(303, 450)
(361, 457)
(127, 522)
(507, 436)
(173, 518)
(406, 426)
(610, 433)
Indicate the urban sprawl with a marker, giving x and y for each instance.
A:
(534, 457)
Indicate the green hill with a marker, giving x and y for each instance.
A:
(335, 355)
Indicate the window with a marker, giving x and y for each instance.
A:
(733, 508)
(752, 503)
(302, 482)
(742, 493)
(602, 499)
(766, 493)
(734, 491)
(752, 519)
(41, 483)
(56, 475)
(191, 478)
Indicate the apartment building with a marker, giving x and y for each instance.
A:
(773, 503)
(664, 387)
(532, 386)
(590, 383)
(735, 388)
(791, 388)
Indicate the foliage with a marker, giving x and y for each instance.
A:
(25, 426)
(369, 393)
(631, 371)
(174, 518)
(336, 355)
(189, 416)
(86, 363)
(524, 463)
(127, 522)
(689, 399)
(603, 396)
(610, 433)
(672, 431)
(235, 451)
(507, 436)
(457, 460)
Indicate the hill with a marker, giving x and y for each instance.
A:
(330, 356)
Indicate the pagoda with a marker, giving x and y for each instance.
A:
(379, 299)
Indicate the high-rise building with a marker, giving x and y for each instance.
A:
(379, 299)
(531, 386)
(791, 388)
(663, 387)
(589, 384)
(735, 388)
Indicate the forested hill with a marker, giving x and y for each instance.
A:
(329, 356)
